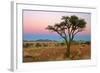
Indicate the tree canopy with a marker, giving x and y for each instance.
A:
(70, 26)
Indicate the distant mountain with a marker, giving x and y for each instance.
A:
(45, 40)
(40, 40)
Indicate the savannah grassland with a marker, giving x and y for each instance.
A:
(54, 51)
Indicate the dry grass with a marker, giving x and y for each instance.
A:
(78, 52)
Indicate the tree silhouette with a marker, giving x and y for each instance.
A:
(68, 28)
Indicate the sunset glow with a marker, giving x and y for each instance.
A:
(35, 22)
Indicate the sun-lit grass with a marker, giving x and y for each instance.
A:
(55, 52)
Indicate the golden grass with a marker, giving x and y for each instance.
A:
(52, 53)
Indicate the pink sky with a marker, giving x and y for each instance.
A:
(36, 21)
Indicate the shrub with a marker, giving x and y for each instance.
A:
(88, 43)
(38, 45)
(45, 45)
(62, 44)
(26, 45)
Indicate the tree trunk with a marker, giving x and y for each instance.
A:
(68, 50)
(67, 54)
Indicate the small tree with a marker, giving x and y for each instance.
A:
(68, 28)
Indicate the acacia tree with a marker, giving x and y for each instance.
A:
(68, 28)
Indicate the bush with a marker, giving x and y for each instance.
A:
(27, 45)
(38, 45)
(88, 43)
(62, 44)
(45, 45)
